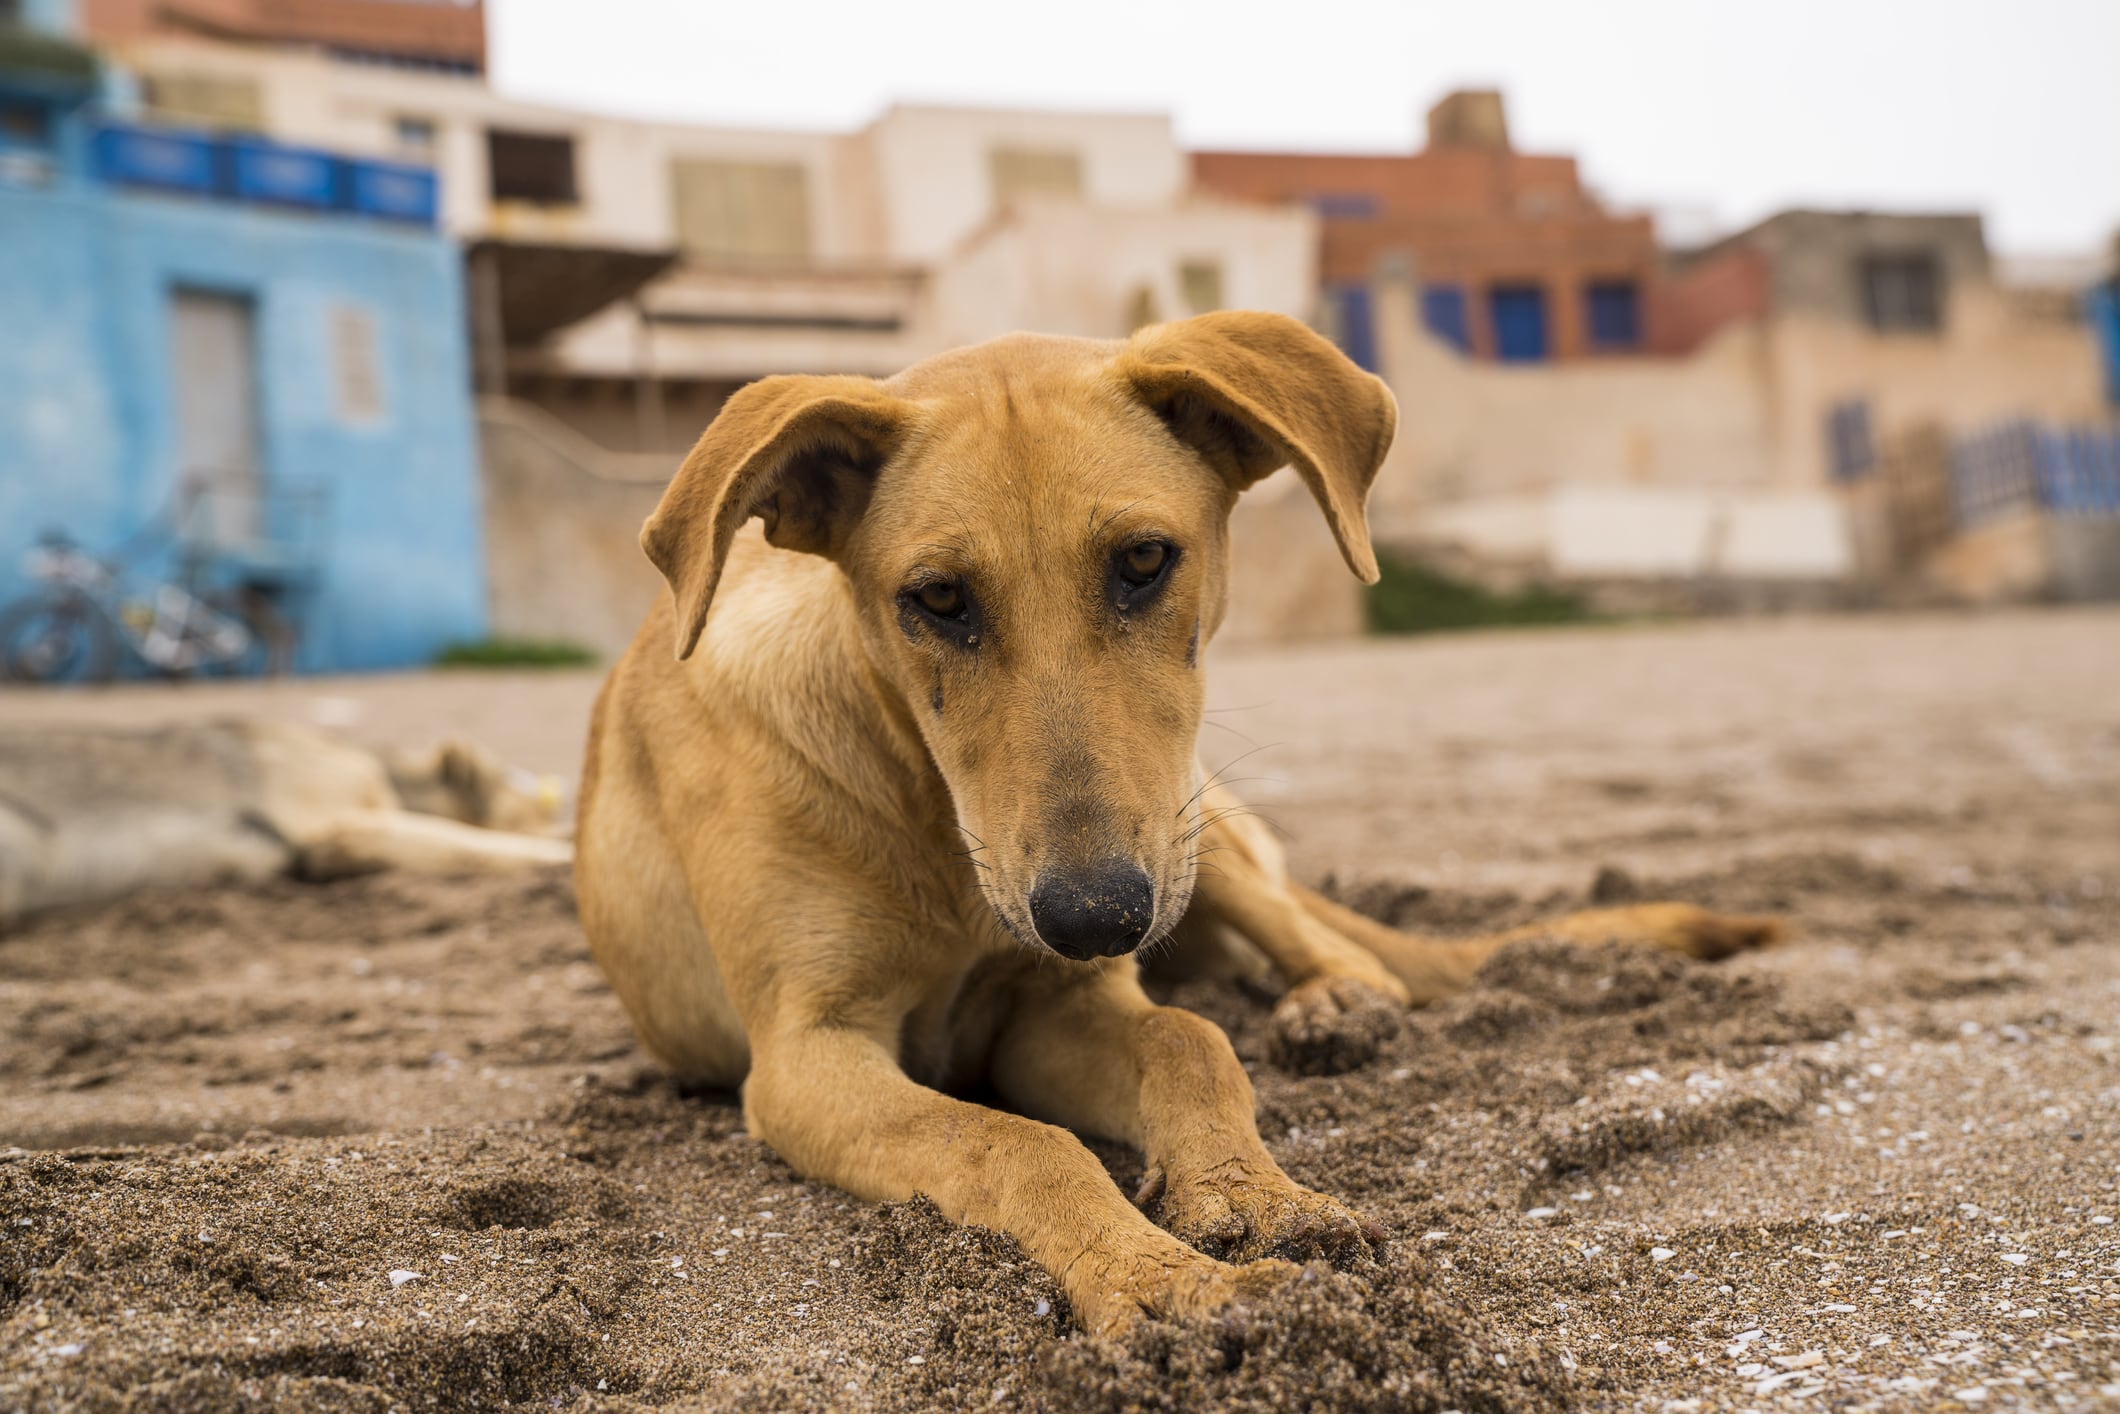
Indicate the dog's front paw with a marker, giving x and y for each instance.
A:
(1247, 1211)
(1163, 1287)
(1331, 1024)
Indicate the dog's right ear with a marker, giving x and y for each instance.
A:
(801, 453)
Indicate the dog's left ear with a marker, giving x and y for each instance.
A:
(800, 453)
(1253, 392)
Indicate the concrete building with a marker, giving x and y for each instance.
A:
(1505, 255)
(1724, 453)
(1576, 403)
(626, 276)
(269, 337)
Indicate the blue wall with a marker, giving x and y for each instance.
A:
(88, 429)
(49, 16)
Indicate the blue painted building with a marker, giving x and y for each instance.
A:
(234, 354)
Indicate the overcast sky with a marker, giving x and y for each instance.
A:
(1716, 111)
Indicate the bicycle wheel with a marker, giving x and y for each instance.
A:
(260, 654)
(54, 640)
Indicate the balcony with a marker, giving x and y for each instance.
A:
(262, 173)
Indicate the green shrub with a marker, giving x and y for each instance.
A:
(1415, 598)
(516, 653)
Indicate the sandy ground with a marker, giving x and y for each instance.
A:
(388, 1143)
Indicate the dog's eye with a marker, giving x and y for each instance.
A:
(1141, 565)
(943, 598)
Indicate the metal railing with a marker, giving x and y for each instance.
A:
(2021, 465)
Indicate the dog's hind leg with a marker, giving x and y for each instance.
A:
(1346, 973)
(1343, 999)
(1434, 968)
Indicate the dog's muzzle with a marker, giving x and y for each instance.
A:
(1103, 910)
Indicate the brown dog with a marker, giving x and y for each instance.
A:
(880, 804)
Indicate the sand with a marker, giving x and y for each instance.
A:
(388, 1143)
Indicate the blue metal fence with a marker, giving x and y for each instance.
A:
(2021, 465)
(256, 170)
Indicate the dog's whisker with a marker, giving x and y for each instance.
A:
(1209, 819)
(1240, 736)
(1252, 780)
(1219, 772)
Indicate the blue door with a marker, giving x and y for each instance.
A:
(1519, 316)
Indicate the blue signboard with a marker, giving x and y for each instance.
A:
(281, 176)
(393, 192)
(165, 159)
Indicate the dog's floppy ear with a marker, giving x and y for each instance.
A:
(1253, 392)
(801, 453)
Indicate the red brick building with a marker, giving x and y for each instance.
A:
(449, 35)
(1511, 257)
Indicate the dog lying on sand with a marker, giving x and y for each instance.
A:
(91, 814)
(882, 802)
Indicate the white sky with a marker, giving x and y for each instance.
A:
(1717, 110)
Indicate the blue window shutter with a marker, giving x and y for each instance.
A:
(1345, 206)
(1356, 321)
(1614, 314)
(1443, 315)
(1848, 431)
(1519, 315)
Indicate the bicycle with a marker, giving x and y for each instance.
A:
(72, 628)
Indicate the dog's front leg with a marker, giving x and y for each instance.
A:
(835, 1104)
(1093, 1053)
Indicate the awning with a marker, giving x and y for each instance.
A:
(45, 61)
(546, 287)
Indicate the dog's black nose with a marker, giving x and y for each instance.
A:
(1098, 911)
